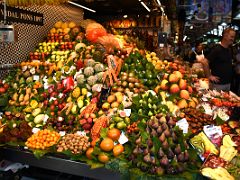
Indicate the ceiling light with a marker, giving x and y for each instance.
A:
(159, 3)
(84, 7)
(125, 16)
(144, 5)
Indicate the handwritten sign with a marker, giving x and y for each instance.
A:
(14, 14)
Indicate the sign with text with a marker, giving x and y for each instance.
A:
(21, 16)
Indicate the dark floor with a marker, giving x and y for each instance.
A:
(33, 173)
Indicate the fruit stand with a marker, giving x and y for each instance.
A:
(99, 106)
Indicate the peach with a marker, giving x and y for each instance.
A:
(174, 88)
(191, 104)
(173, 78)
(178, 74)
(183, 84)
(190, 89)
(164, 84)
(182, 104)
(184, 94)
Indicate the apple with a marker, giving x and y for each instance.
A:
(174, 88)
(164, 84)
(183, 84)
(83, 121)
(184, 94)
(173, 78)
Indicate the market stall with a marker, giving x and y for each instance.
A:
(90, 100)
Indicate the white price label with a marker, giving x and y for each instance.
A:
(122, 139)
(128, 112)
(36, 77)
(183, 124)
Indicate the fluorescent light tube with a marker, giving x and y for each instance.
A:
(144, 5)
(84, 7)
(159, 3)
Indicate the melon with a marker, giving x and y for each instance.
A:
(91, 80)
(100, 76)
(90, 63)
(80, 79)
(88, 71)
(99, 67)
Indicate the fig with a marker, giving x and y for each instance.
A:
(160, 153)
(171, 122)
(171, 170)
(144, 168)
(180, 168)
(146, 151)
(170, 154)
(177, 149)
(159, 171)
(153, 160)
(162, 120)
(155, 125)
(180, 157)
(138, 140)
(162, 138)
(174, 137)
(147, 158)
(164, 126)
(159, 130)
(154, 132)
(165, 145)
(158, 116)
(135, 151)
(170, 141)
(164, 161)
(167, 133)
(186, 155)
(149, 143)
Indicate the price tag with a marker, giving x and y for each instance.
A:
(128, 112)
(89, 94)
(35, 130)
(214, 133)
(45, 118)
(36, 77)
(122, 139)
(62, 133)
(183, 124)
(81, 133)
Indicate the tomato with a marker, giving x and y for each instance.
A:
(89, 153)
(103, 158)
(6, 86)
(2, 90)
(107, 144)
(52, 107)
(114, 133)
(55, 102)
(118, 149)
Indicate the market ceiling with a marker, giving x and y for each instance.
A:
(119, 7)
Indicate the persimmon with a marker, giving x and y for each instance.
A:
(107, 144)
(114, 133)
(118, 149)
(89, 153)
(102, 157)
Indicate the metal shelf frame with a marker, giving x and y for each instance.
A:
(57, 164)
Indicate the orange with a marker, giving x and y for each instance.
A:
(103, 158)
(93, 143)
(107, 144)
(118, 149)
(89, 153)
(114, 133)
